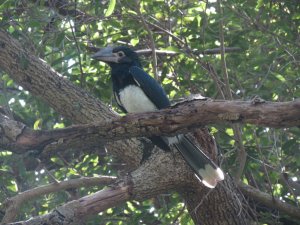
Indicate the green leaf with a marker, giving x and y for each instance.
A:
(259, 4)
(13, 186)
(280, 77)
(134, 41)
(37, 124)
(111, 7)
(58, 161)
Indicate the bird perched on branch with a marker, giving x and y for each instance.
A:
(136, 91)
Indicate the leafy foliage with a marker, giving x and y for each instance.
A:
(267, 65)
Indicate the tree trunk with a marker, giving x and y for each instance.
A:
(222, 206)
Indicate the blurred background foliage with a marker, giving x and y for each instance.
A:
(265, 63)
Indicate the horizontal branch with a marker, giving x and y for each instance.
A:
(181, 118)
(213, 51)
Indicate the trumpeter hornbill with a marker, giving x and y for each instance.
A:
(136, 91)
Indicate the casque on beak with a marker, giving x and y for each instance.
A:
(106, 55)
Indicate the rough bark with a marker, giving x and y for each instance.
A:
(36, 76)
(209, 207)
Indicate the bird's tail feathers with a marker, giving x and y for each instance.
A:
(205, 169)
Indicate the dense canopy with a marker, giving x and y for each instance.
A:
(225, 50)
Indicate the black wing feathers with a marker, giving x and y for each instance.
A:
(150, 87)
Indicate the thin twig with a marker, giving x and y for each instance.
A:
(242, 155)
(179, 214)
(212, 51)
(223, 60)
(82, 80)
(150, 35)
(167, 32)
(263, 164)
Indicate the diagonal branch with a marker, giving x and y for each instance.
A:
(74, 211)
(270, 201)
(14, 204)
(33, 74)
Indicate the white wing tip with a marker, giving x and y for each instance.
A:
(211, 176)
(209, 185)
(220, 174)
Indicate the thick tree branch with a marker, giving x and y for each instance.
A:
(75, 212)
(17, 136)
(268, 200)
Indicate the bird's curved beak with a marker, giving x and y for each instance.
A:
(105, 55)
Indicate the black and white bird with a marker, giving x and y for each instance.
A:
(136, 91)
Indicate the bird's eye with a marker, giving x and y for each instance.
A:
(121, 54)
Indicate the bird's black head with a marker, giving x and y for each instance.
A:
(117, 55)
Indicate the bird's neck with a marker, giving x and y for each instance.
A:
(118, 69)
(120, 75)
